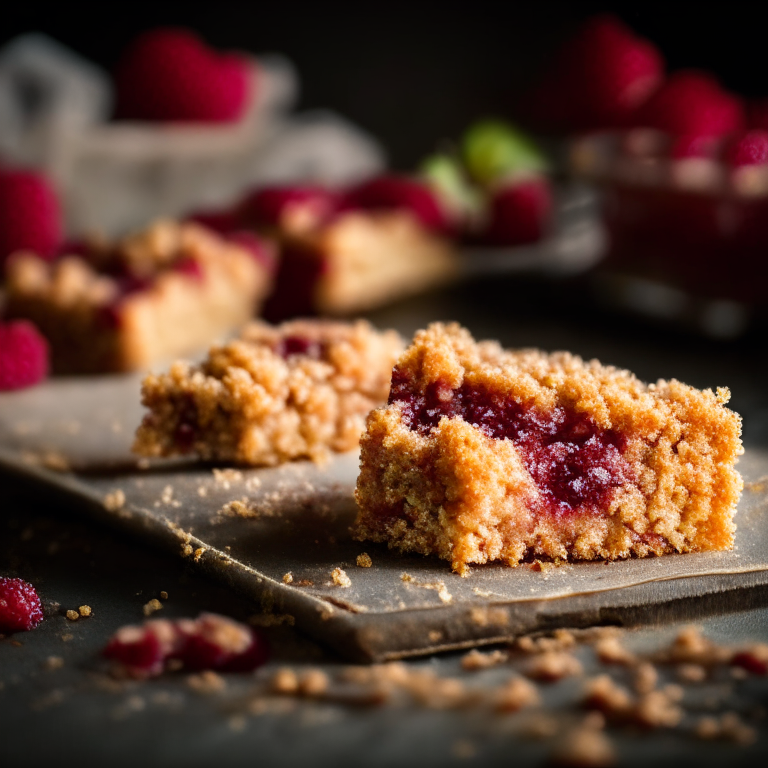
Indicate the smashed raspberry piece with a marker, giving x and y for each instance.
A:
(600, 76)
(399, 193)
(208, 642)
(299, 345)
(171, 75)
(519, 213)
(30, 214)
(290, 205)
(750, 148)
(24, 355)
(20, 606)
(754, 659)
(692, 103)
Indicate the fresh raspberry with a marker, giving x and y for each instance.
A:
(273, 206)
(172, 75)
(519, 213)
(20, 606)
(692, 103)
(598, 79)
(399, 192)
(749, 148)
(30, 215)
(23, 355)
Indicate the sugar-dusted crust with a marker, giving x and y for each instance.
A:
(169, 290)
(359, 260)
(468, 497)
(258, 401)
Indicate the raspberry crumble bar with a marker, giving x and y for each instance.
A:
(299, 390)
(169, 290)
(485, 454)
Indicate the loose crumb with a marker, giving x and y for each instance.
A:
(285, 681)
(516, 694)
(199, 553)
(238, 508)
(287, 578)
(475, 659)
(729, 727)
(340, 578)
(553, 665)
(73, 615)
(115, 500)
(163, 595)
(691, 673)
(658, 709)
(207, 682)
(463, 749)
(85, 610)
(610, 651)
(608, 697)
(645, 677)
(585, 746)
(314, 682)
(364, 560)
(152, 606)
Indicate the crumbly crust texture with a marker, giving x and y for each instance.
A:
(469, 498)
(189, 287)
(252, 403)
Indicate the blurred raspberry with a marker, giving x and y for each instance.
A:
(598, 79)
(280, 206)
(23, 355)
(208, 642)
(20, 607)
(399, 193)
(692, 103)
(519, 213)
(749, 148)
(171, 75)
(30, 216)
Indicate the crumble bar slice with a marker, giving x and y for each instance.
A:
(168, 290)
(484, 454)
(358, 260)
(294, 391)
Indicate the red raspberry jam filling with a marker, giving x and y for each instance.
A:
(208, 642)
(574, 463)
(20, 607)
(299, 345)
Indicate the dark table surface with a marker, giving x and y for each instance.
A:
(71, 710)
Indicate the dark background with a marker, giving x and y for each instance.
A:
(416, 73)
